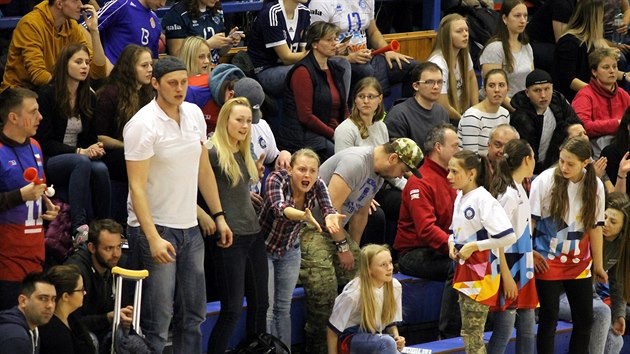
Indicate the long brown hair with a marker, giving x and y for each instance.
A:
(83, 103)
(503, 34)
(621, 202)
(124, 79)
(514, 152)
(559, 193)
(355, 116)
(444, 46)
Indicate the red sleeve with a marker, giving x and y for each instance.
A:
(302, 88)
(422, 210)
(585, 106)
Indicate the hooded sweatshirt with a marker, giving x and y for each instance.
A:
(35, 46)
(600, 108)
(15, 335)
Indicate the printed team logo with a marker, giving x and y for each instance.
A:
(262, 142)
(12, 163)
(469, 213)
(152, 22)
(362, 4)
(38, 159)
(339, 8)
(414, 194)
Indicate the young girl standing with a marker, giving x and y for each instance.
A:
(567, 204)
(517, 260)
(479, 225)
(364, 317)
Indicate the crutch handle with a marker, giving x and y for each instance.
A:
(130, 274)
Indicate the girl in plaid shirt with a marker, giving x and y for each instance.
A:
(290, 196)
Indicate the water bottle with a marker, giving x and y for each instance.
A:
(617, 37)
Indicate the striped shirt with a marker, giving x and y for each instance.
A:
(475, 127)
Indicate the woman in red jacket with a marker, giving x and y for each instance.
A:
(601, 104)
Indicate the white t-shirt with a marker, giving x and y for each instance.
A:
(523, 64)
(347, 309)
(352, 16)
(549, 126)
(561, 241)
(478, 217)
(174, 151)
(439, 60)
(475, 128)
(516, 206)
(263, 141)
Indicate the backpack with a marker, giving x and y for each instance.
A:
(482, 25)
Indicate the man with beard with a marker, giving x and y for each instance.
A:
(95, 259)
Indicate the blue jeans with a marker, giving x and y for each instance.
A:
(283, 275)
(173, 290)
(272, 79)
(502, 331)
(82, 177)
(368, 343)
(387, 77)
(239, 270)
(603, 339)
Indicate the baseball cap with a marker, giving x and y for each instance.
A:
(409, 153)
(251, 89)
(166, 65)
(538, 77)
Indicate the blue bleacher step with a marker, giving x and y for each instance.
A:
(456, 345)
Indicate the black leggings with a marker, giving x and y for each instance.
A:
(580, 295)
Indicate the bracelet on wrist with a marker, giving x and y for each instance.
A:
(620, 177)
(217, 214)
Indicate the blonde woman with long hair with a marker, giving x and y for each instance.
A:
(239, 268)
(584, 33)
(195, 54)
(450, 53)
(365, 314)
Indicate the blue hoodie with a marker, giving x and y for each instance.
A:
(15, 335)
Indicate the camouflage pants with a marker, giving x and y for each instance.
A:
(320, 275)
(474, 316)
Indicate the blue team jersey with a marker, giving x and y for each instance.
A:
(178, 24)
(21, 228)
(123, 22)
(272, 29)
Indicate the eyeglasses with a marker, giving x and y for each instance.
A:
(431, 83)
(82, 290)
(369, 97)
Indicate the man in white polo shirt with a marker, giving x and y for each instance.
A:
(166, 164)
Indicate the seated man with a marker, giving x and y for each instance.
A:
(39, 37)
(22, 203)
(540, 117)
(18, 326)
(414, 117)
(95, 260)
(499, 136)
(425, 217)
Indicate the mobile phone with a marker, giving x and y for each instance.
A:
(346, 39)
